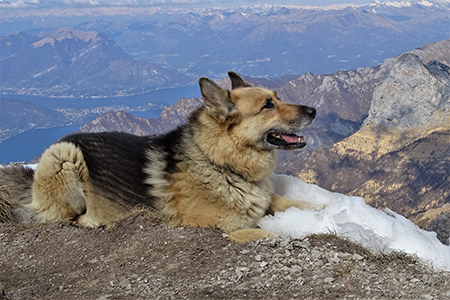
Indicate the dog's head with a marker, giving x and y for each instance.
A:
(256, 117)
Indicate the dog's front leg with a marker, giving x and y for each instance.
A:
(280, 203)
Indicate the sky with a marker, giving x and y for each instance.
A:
(178, 3)
(296, 2)
(293, 2)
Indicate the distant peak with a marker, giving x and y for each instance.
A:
(70, 33)
(408, 3)
(66, 33)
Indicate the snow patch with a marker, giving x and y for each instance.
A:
(351, 217)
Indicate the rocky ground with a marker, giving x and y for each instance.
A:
(140, 258)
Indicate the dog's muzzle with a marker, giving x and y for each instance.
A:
(288, 139)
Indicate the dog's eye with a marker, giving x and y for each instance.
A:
(268, 105)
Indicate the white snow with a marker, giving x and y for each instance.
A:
(408, 3)
(350, 217)
(32, 166)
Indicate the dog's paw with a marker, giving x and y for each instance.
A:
(250, 235)
(304, 205)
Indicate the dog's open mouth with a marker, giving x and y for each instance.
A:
(285, 141)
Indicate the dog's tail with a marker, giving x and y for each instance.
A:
(15, 192)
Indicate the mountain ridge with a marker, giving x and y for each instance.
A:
(68, 33)
(18, 116)
(74, 63)
(399, 157)
(254, 40)
(407, 73)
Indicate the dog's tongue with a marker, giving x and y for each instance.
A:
(292, 139)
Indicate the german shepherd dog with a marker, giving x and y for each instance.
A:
(213, 171)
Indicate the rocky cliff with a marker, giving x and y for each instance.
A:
(411, 94)
(68, 62)
(400, 158)
(439, 51)
(121, 121)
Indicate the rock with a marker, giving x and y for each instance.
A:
(441, 225)
(427, 297)
(125, 284)
(2, 291)
(328, 279)
(121, 121)
(411, 94)
(357, 257)
(302, 244)
(400, 156)
(345, 256)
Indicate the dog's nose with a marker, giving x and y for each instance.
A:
(311, 111)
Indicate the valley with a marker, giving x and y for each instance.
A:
(25, 116)
(106, 52)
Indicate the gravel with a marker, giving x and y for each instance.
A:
(140, 258)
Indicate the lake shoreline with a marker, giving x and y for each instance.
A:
(25, 146)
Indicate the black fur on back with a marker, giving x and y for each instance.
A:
(116, 161)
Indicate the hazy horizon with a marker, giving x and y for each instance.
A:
(36, 4)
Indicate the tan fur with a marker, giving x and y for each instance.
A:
(100, 210)
(58, 187)
(234, 203)
(221, 177)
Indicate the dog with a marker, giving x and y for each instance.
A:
(211, 172)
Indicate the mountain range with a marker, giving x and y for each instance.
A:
(400, 157)
(279, 40)
(133, 49)
(74, 63)
(169, 119)
(18, 116)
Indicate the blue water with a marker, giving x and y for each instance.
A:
(29, 144)
(149, 114)
(167, 96)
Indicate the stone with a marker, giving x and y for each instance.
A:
(441, 225)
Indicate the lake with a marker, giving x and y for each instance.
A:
(168, 96)
(29, 144)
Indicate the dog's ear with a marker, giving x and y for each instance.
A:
(217, 100)
(237, 81)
